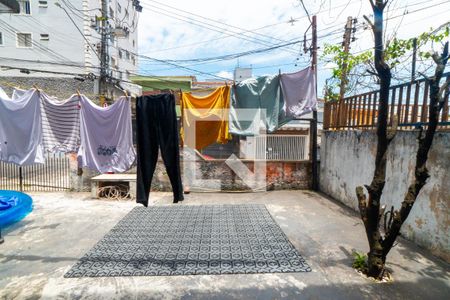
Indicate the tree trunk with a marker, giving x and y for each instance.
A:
(370, 211)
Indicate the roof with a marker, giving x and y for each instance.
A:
(151, 83)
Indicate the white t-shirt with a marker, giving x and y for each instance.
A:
(106, 136)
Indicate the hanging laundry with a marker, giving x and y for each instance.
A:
(299, 91)
(17, 93)
(3, 95)
(106, 136)
(60, 124)
(249, 98)
(156, 127)
(207, 116)
(21, 130)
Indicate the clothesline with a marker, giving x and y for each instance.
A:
(70, 125)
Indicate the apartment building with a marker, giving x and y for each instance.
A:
(52, 42)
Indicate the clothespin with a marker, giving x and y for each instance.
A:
(126, 93)
(78, 93)
(36, 88)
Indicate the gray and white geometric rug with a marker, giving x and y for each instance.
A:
(188, 240)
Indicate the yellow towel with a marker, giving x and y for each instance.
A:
(201, 111)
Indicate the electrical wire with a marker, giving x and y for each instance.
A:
(211, 27)
(79, 30)
(45, 50)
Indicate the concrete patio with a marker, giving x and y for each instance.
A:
(39, 250)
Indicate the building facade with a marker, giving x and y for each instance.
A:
(61, 40)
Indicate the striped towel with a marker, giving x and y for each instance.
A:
(60, 123)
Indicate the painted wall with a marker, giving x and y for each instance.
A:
(347, 161)
(279, 175)
(65, 46)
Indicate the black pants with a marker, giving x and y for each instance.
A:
(156, 127)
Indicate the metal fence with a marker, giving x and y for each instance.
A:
(409, 102)
(278, 147)
(53, 175)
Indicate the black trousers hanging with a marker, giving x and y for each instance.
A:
(156, 127)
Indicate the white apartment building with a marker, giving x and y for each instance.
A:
(64, 36)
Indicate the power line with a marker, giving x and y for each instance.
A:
(211, 27)
(218, 22)
(79, 30)
(50, 53)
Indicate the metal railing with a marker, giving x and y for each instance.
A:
(53, 175)
(277, 147)
(408, 102)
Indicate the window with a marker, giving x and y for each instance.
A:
(119, 8)
(134, 44)
(1, 39)
(43, 4)
(126, 13)
(111, 13)
(45, 37)
(133, 59)
(24, 40)
(25, 7)
(127, 54)
(120, 53)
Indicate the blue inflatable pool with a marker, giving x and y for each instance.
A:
(14, 206)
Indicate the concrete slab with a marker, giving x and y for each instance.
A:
(40, 249)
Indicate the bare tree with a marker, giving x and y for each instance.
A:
(370, 210)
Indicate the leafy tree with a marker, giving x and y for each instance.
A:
(361, 69)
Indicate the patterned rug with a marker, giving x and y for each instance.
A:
(188, 240)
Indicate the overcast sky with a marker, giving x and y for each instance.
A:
(179, 32)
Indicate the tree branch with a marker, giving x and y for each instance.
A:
(425, 143)
(370, 22)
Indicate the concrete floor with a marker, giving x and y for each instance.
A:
(41, 248)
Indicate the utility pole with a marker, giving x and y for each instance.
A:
(313, 127)
(414, 58)
(103, 87)
(346, 45)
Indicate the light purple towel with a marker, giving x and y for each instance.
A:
(106, 136)
(299, 92)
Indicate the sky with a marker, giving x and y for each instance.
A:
(187, 32)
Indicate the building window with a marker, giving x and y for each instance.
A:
(24, 40)
(127, 54)
(25, 7)
(126, 13)
(119, 8)
(134, 44)
(120, 53)
(1, 39)
(111, 13)
(133, 59)
(45, 37)
(43, 3)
